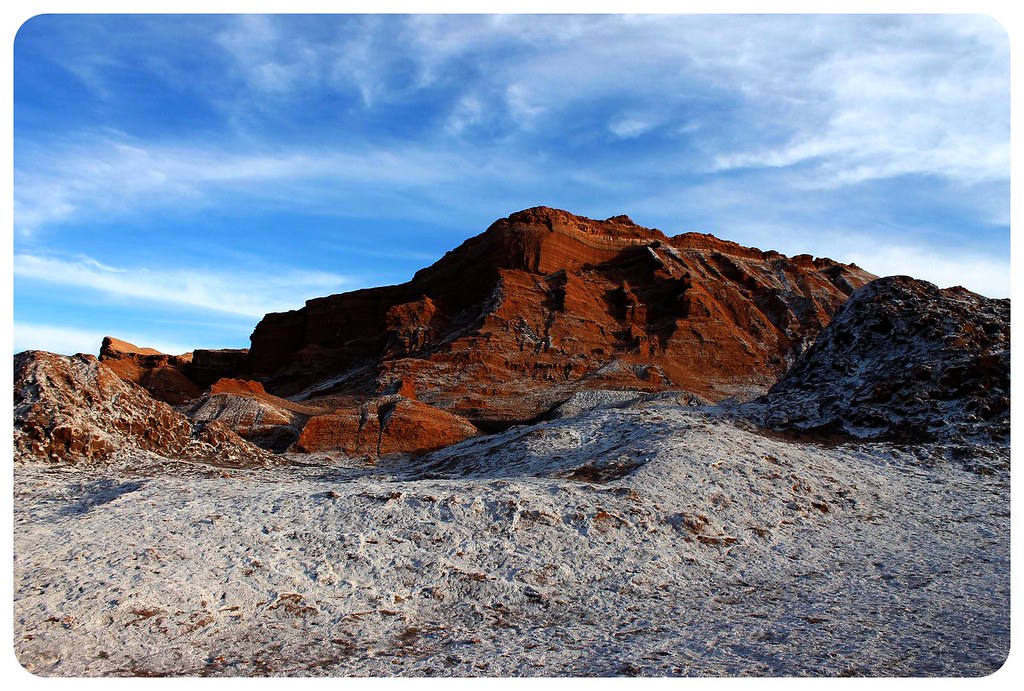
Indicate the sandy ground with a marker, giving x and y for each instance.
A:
(653, 539)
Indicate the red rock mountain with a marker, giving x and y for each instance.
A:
(502, 329)
(545, 303)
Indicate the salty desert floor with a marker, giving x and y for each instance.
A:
(653, 538)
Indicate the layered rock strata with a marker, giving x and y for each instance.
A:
(172, 379)
(546, 303)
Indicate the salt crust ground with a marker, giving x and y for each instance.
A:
(652, 538)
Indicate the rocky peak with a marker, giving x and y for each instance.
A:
(544, 303)
(902, 360)
(545, 240)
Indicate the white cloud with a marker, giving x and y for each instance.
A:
(908, 100)
(853, 98)
(68, 340)
(630, 127)
(231, 292)
(271, 64)
(104, 175)
(987, 275)
(468, 112)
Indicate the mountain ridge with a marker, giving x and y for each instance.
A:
(543, 285)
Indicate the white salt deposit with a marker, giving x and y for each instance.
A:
(652, 539)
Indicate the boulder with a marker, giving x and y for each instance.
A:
(382, 426)
(906, 361)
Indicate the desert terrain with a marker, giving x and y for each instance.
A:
(569, 448)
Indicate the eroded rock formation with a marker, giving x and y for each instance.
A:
(77, 410)
(173, 379)
(542, 305)
(906, 361)
(157, 372)
(545, 303)
(384, 425)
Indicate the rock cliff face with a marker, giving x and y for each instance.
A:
(77, 410)
(903, 360)
(545, 303)
(172, 379)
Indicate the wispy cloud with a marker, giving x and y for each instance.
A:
(920, 97)
(388, 253)
(839, 100)
(243, 294)
(631, 126)
(103, 175)
(987, 275)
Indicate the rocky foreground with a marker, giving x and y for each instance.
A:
(657, 538)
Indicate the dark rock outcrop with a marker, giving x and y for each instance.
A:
(209, 365)
(905, 361)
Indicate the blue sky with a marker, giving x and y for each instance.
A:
(176, 177)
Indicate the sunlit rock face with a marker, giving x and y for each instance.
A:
(545, 303)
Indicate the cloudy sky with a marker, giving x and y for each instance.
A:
(176, 177)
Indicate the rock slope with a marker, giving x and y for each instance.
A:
(77, 410)
(906, 361)
(545, 303)
(268, 421)
(157, 372)
(502, 330)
